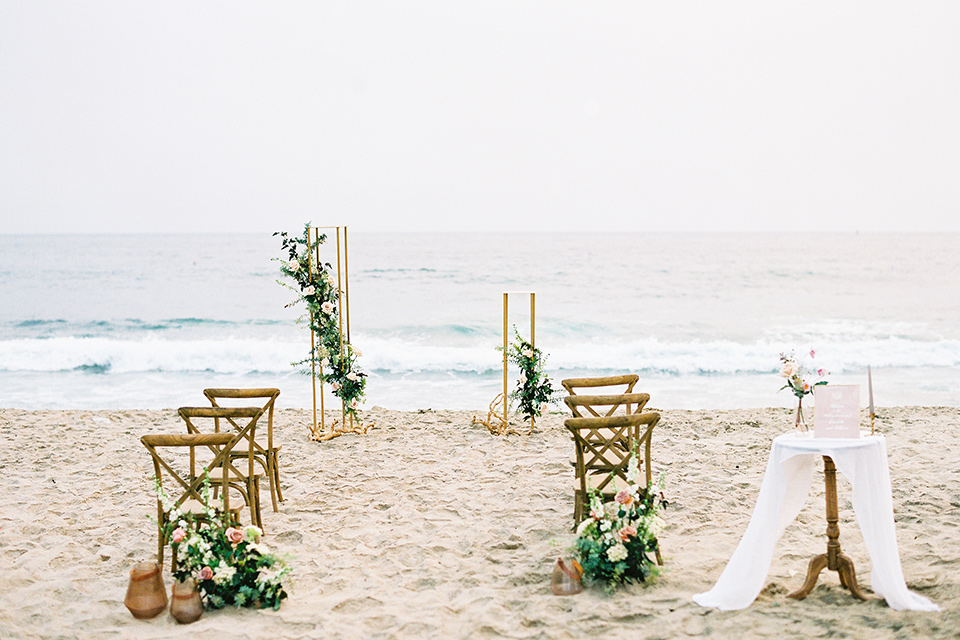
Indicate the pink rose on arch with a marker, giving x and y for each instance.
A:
(234, 535)
(205, 574)
(624, 497)
(627, 532)
(327, 307)
(178, 535)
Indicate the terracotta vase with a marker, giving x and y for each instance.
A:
(185, 604)
(146, 595)
(566, 578)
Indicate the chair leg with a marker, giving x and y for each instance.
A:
(254, 491)
(274, 478)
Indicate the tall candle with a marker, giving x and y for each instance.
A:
(870, 387)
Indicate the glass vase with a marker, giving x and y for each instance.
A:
(146, 595)
(800, 424)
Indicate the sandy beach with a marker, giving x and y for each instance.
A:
(430, 527)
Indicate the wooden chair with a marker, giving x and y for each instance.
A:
(604, 447)
(246, 481)
(630, 402)
(267, 452)
(627, 381)
(163, 449)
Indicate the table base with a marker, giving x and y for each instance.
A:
(833, 559)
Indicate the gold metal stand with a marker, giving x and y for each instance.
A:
(833, 559)
(497, 421)
(319, 429)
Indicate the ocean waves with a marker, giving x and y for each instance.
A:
(399, 354)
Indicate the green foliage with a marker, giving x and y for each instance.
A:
(533, 390)
(334, 361)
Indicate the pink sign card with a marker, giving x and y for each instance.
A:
(836, 411)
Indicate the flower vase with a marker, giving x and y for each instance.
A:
(146, 595)
(801, 424)
(185, 604)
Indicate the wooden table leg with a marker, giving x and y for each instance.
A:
(833, 559)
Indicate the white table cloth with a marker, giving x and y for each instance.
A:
(786, 484)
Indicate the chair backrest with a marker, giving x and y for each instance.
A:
(244, 429)
(188, 476)
(605, 445)
(626, 381)
(606, 406)
(225, 397)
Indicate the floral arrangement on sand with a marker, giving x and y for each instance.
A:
(799, 376)
(315, 287)
(533, 393)
(230, 564)
(614, 542)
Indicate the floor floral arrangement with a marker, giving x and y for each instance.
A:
(615, 541)
(230, 564)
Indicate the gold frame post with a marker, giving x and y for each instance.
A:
(499, 425)
(343, 312)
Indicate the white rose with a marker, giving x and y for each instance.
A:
(327, 307)
(325, 363)
(309, 291)
(528, 353)
(293, 266)
(335, 386)
(354, 403)
(351, 376)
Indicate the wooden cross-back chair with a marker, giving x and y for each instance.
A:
(167, 452)
(603, 448)
(266, 451)
(244, 477)
(627, 381)
(606, 406)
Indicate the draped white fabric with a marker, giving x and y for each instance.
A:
(786, 484)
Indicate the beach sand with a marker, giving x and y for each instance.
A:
(430, 527)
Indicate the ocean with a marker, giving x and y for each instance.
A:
(148, 321)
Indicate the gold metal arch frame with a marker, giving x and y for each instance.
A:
(346, 423)
(497, 421)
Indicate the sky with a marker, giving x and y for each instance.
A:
(479, 115)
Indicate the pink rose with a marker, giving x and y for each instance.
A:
(177, 535)
(205, 574)
(327, 307)
(234, 535)
(623, 497)
(813, 353)
(627, 532)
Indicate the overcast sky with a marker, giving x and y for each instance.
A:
(479, 115)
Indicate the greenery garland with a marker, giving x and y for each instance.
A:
(318, 290)
(533, 390)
